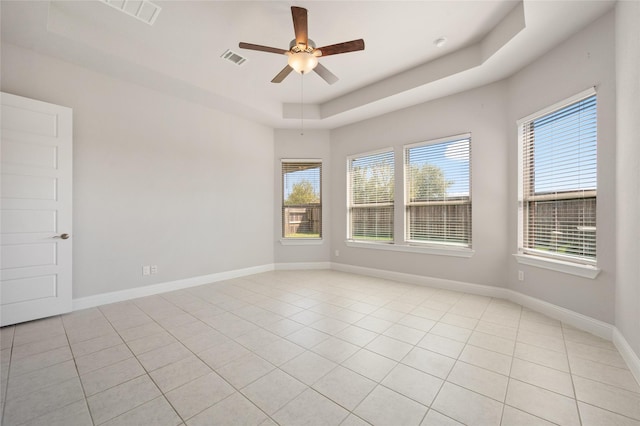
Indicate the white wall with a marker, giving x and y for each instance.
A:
(586, 59)
(627, 62)
(157, 180)
(480, 112)
(490, 114)
(313, 144)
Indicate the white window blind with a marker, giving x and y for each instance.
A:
(437, 185)
(301, 199)
(560, 182)
(371, 190)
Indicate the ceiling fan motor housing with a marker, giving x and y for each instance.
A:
(295, 47)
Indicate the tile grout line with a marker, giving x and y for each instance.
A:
(146, 372)
(513, 355)
(445, 380)
(353, 324)
(466, 343)
(573, 386)
(199, 358)
(377, 383)
(6, 385)
(86, 401)
(54, 384)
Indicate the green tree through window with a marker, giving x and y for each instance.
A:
(301, 199)
(438, 182)
(302, 192)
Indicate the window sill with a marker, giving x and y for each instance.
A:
(301, 241)
(438, 251)
(585, 271)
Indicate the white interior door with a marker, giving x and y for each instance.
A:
(35, 218)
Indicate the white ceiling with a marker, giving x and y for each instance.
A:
(400, 66)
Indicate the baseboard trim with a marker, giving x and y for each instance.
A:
(150, 290)
(479, 289)
(575, 319)
(629, 356)
(299, 266)
(583, 322)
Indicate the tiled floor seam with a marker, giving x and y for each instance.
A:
(613, 412)
(637, 391)
(444, 381)
(6, 385)
(131, 379)
(9, 378)
(506, 391)
(573, 386)
(86, 401)
(212, 369)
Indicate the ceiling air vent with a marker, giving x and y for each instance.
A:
(233, 57)
(142, 10)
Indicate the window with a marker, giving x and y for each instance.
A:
(301, 199)
(371, 197)
(558, 181)
(437, 192)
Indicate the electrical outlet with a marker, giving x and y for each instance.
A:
(337, 253)
(146, 270)
(154, 269)
(520, 276)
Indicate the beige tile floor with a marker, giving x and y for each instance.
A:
(312, 347)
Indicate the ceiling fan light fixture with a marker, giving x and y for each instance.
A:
(302, 62)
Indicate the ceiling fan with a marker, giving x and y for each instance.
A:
(303, 53)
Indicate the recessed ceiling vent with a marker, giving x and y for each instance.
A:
(233, 57)
(142, 10)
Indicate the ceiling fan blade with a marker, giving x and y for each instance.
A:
(250, 46)
(282, 74)
(299, 15)
(326, 75)
(347, 46)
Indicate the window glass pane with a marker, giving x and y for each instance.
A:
(566, 227)
(301, 195)
(560, 182)
(371, 183)
(438, 192)
(565, 148)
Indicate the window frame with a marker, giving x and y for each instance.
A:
(407, 203)
(288, 240)
(574, 265)
(349, 238)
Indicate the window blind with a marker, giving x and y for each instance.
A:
(437, 185)
(371, 181)
(301, 199)
(560, 182)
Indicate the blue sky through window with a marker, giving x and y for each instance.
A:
(291, 178)
(565, 148)
(452, 157)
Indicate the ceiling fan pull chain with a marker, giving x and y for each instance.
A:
(302, 103)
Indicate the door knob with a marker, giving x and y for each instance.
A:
(63, 236)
